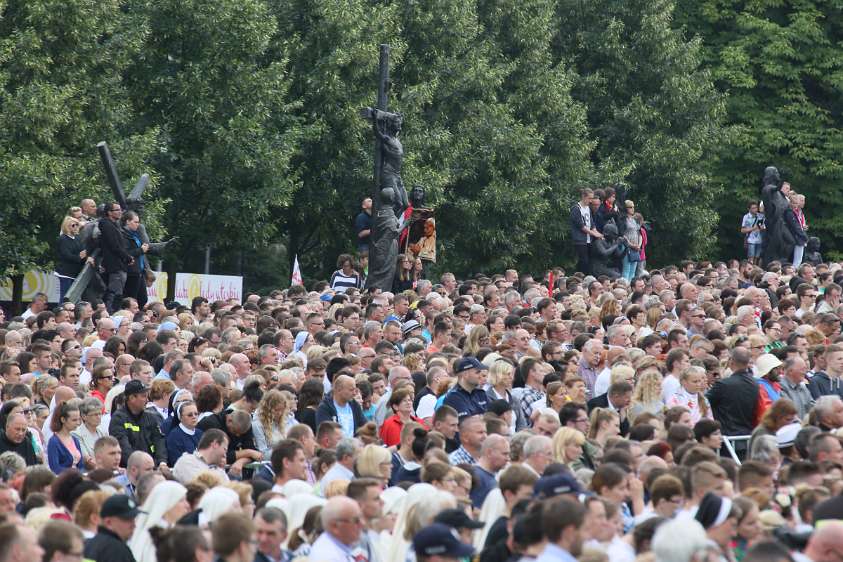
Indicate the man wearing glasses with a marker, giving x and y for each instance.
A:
(115, 256)
(343, 522)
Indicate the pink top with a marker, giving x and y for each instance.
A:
(70, 444)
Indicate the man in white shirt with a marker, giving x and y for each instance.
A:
(38, 304)
(208, 457)
(288, 463)
(343, 469)
(343, 524)
(105, 329)
(677, 361)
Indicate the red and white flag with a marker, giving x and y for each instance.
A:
(296, 280)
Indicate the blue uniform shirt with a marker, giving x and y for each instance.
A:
(466, 403)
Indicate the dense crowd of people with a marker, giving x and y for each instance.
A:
(688, 413)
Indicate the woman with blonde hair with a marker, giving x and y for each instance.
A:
(567, 445)
(691, 394)
(501, 374)
(604, 424)
(269, 421)
(86, 511)
(244, 493)
(165, 505)
(609, 306)
(557, 395)
(654, 314)
(185, 321)
(647, 395)
(413, 517)
(414, 362)
(71, 254)
(478, 337)
(374, 462)
(404, 278)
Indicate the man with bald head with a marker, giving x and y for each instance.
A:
(339, 406)
(826, 543)
(15, 439)
(242, 368)
(689, 291)
(342, 522)
(105, 329)
(494, 455)
(66, 330)
(89, 209)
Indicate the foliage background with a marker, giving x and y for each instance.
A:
(246, 115)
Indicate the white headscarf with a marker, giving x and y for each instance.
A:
(215, 502)
(163, 498)
(393, 502)
(295, 487)
(297, 507)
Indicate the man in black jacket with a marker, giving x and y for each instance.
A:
(117, 524)
(734, 399)
(617, 400)
(135, 428)
(340, 406)
(16, 438)
(115, 255)
(237, 425)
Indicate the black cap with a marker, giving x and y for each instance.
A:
(119, 505)
(467, 363)
(134, 387)
(457, 519)
(439, 540)
(556, 485)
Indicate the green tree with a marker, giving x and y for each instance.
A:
(205, 78)
(538, 90)
(483, 167)
(61, 91)
(654, 112)
(781, 64)
(332, 47)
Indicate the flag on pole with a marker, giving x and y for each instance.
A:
(296, 280)
(550, 281)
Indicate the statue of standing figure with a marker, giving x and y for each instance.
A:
(778, 241)
(390, 200)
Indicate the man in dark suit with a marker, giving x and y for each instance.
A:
(115, 255)
(583, 230)
(733, 399)
(617, 399)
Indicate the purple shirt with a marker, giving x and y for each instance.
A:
(589, 375)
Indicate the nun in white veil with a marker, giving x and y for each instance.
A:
(215, 502)
(165, 505)
(493, 507)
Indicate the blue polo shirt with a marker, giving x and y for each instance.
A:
(466, 403)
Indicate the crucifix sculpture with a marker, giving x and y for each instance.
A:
(390, 198)
(134, 203)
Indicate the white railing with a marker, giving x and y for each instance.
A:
(730, 440)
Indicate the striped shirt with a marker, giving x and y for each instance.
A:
(341, 282)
